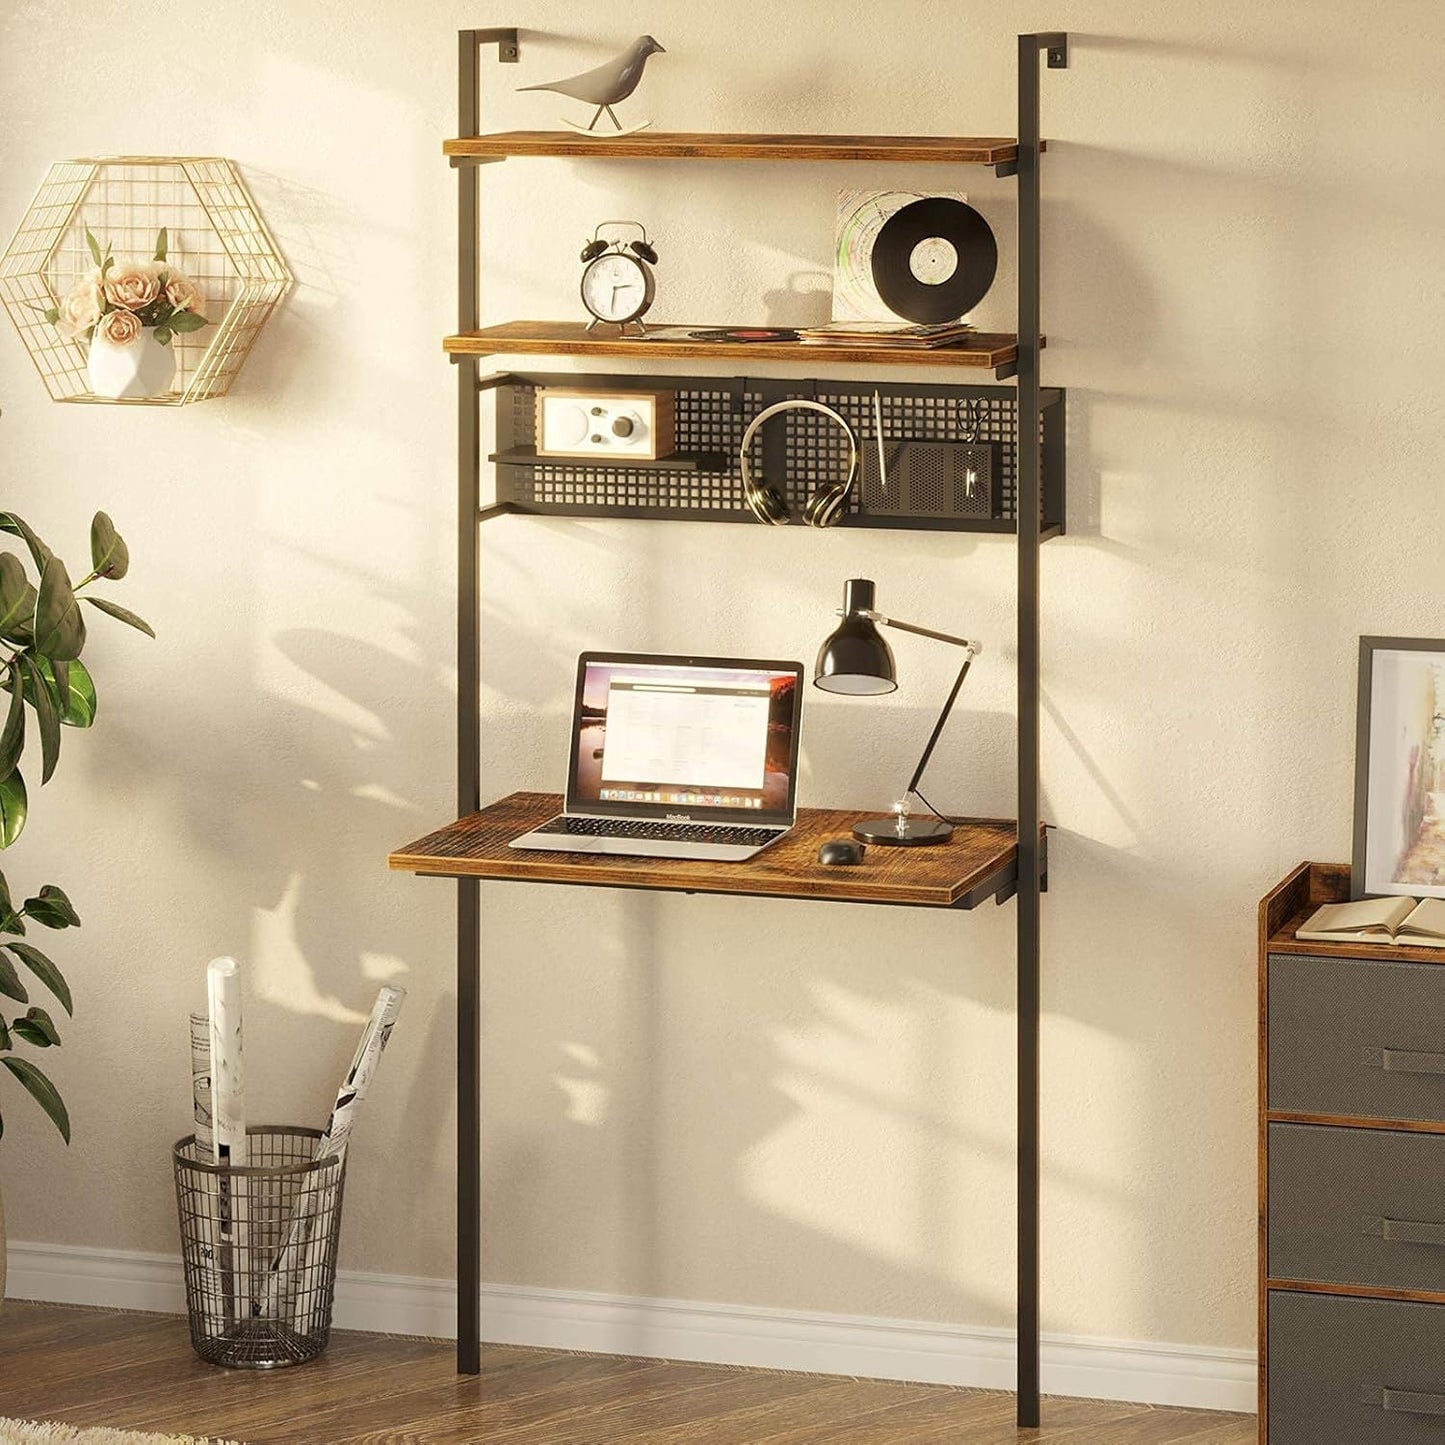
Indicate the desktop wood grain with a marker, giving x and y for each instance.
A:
(137, 1372)
(942, 876)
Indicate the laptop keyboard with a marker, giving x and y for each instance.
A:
(650, 828)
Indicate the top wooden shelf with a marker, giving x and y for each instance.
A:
(691, 145)
(979, 862)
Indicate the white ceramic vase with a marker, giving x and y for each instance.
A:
(2, 1249)
(142, 369)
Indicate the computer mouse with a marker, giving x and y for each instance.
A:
(839, 852)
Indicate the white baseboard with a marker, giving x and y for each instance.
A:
(1188, 1375)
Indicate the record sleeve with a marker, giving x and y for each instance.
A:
(909, 256)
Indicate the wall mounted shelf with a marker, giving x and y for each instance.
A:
(1012, 861)
(216, 237)
(677, 462)
(982, 351)
(800, 452)
(689, 145)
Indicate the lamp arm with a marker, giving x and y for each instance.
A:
(972, 650)
(933, 737)
(923, 631)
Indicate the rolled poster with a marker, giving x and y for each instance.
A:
(228, 1075)
(303, 1249)
(228, 1121)
(201, 1084)
(201, 1111)
(358, 1078)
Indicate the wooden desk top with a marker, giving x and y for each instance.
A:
(979, 862)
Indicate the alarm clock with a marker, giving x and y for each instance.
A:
(618, 283)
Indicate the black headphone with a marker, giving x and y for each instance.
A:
(766, 503)
(642, 249)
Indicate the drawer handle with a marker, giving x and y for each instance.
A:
(1412, 1402)
(1405, 1231)
(1403, 1061)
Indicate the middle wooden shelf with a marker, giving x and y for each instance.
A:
(983, 350)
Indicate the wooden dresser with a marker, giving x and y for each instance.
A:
(1351, 1181)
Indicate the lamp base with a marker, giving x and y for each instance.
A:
(915, 832)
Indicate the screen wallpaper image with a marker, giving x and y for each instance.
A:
(684, 737)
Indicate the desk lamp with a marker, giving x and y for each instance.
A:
(857, 660)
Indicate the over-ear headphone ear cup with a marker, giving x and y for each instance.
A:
(825, 508)
(767, 505)
(593, 249)
(643, 250)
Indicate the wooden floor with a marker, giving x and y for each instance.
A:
(136, 1371)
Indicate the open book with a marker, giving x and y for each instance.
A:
(1400, 921)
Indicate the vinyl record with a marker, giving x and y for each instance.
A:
(744, 334)
(934, 260)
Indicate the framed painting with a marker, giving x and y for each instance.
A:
(1400, 769)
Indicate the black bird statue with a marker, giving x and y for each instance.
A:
(607, 84)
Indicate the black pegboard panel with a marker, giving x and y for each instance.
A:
(797, 452)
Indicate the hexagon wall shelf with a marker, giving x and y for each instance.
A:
(215, 234)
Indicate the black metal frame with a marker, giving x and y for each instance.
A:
(469, 798)
(1055, 46)
(1033, 481)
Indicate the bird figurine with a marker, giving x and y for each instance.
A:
(607, 84)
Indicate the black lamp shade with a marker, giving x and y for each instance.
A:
(856, 659)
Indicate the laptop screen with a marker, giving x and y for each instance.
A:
(699, 738)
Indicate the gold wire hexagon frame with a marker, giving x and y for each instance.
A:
(215, 234)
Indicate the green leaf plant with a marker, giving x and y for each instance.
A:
(42, 635)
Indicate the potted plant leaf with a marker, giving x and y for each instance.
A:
(42, 629)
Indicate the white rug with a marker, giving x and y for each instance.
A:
(38, 1432)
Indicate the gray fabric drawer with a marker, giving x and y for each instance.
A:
(1357, 1206)
(1357, 1037)
(1354, 1371)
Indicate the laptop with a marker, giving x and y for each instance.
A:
(678, 757)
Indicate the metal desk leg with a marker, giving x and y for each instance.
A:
(469, 1130)
(1032, 864)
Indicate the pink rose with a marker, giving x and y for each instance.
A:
(133, 284)
(81, 309)
(120, 328)
(183, 293)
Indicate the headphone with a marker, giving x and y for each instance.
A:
(766, 503)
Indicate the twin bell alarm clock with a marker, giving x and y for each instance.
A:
(618, 283)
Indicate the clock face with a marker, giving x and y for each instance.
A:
(617, 287)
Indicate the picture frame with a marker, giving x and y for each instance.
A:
(1399, 833)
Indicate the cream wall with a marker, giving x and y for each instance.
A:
(771, 1103)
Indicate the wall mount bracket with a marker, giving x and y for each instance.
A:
(509, 49)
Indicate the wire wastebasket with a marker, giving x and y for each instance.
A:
(259, 1244)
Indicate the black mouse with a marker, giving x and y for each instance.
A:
(839, 852)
